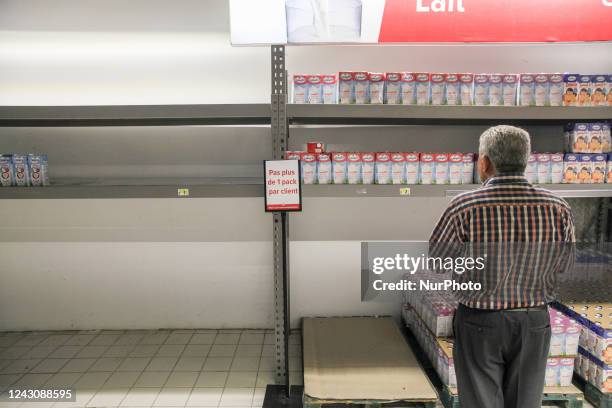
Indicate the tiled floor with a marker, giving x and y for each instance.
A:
(161, 368)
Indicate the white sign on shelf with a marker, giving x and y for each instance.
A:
(282, 184)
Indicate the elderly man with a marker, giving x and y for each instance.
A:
(502, 331)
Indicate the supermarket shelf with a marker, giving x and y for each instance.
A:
(140, 188)
(391, 114)
(135, 115)
(564, 190)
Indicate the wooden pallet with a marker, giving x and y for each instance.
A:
(309, 402)
(597, 398)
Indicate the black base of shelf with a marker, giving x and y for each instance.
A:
(276, 396)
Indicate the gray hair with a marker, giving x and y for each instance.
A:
(507, 147)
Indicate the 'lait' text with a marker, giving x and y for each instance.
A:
(439, 6)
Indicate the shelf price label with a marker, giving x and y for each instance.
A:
(183, 192)
(282, 184)
(404, 191)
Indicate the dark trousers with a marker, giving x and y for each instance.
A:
(500, 357)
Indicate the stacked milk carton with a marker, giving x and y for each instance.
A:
(23, 170)
(314, 89)
(587, 90)
(545, 168)
(588, 137)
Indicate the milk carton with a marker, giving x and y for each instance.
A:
(556, 168)
(527, 90)
(393, 88)
(609, 177)
(606, 138)
(455, 168)
(398, 164)
(481, 89)
(543, 160)
(300, 89)
(551, 378)
(383, 168)
(585, 169)
(495, 90)
(531, 171)
(467, 176)
(377, 88)
(22, 171)
(570, 89)
(555, 89)
(542, 90)
(467, 89)
(368, 167)
(291, 155)
(437, 82)
(566, 371)
(422, 80)
(440, 168)
(452, 90)
(315, 89)
(353, 168)
(594, 138)
(584, 90)
(7, 172)
(329, 86)
(38, 169)
(412, 168)
(339, 168)
(557, 340)
(599, 88)
(599, 168)
(362, 88)
(324, 168)
(346, 88)
(408, 88)
(580, 138)
(509, 89)
(309, 168)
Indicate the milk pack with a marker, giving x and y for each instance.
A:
(609, 176)
(566, 371)
(440, 168)
(543, 166)
(584, 90)
(353, 168)
(606, 138)
(455, 168)
(383, 168)
(346, 88)
(556, 168)
(541, 90)
(300, 89)
(599, 87)
(329, 86)
(437, 85)
(377, 87)
(293, 155)
(595, 137)
(362, 88)
(467, 176)
(315, 89)
(339, 168)
(324, 168)
(452, 90)
(412, 168)
(309, 168)
(555, 89)
(481, 90)
(38, 169)
(21, 169)
(551, 378)
(571, 163)
(467, 89)
(570, 89)
(422, 86)
(579, 138)
(408, 88)
(599, 168)
(495, 90)
(7, 172)
(393, 88)
(368, 167)
(426, 168)
(531, 171)
(527, 90)
(509, 89)
(398, 168)
(585, 169)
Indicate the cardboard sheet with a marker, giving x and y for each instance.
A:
(359, 358)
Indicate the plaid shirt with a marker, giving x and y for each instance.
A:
(525, 234)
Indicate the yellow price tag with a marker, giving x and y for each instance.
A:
(183, 192)
(405, 191)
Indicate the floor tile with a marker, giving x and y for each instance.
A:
(264, 378)
(241, 379)
(80, 340)
(212, 379)
(217, 364)
(196, 350)
(65, 352)
(33, 380)
(14, 352)
(140, 397)
(245, 364)
(269, 338)
(55, 340)
(144, 350)
(182, 379)
(78, 365)
(115, 332)
(258, 397)
(205, 397)
(39, 352)
(50, 365)
(82, 398)
(8, 341)
(170, 350)
(267, 364)
(172, 397)
(121, 351)
(162, 364)
(108, 397)
(179, 338)
(207, 331)
(152, 379)
(8, 379)
(63, 380)
(157, 338)
(248, 350)
(267, 351)
(134, 364)
(21, 366)
(237, 397)
(92, 351)
(203, 338)
(227, 338)
(128, 339)
(125, 379)
(251, 338)
(190, 364)
(5, 363)
(222, 350)
(30, 340)
(104, 340)
(91, 381)
(106, 364)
